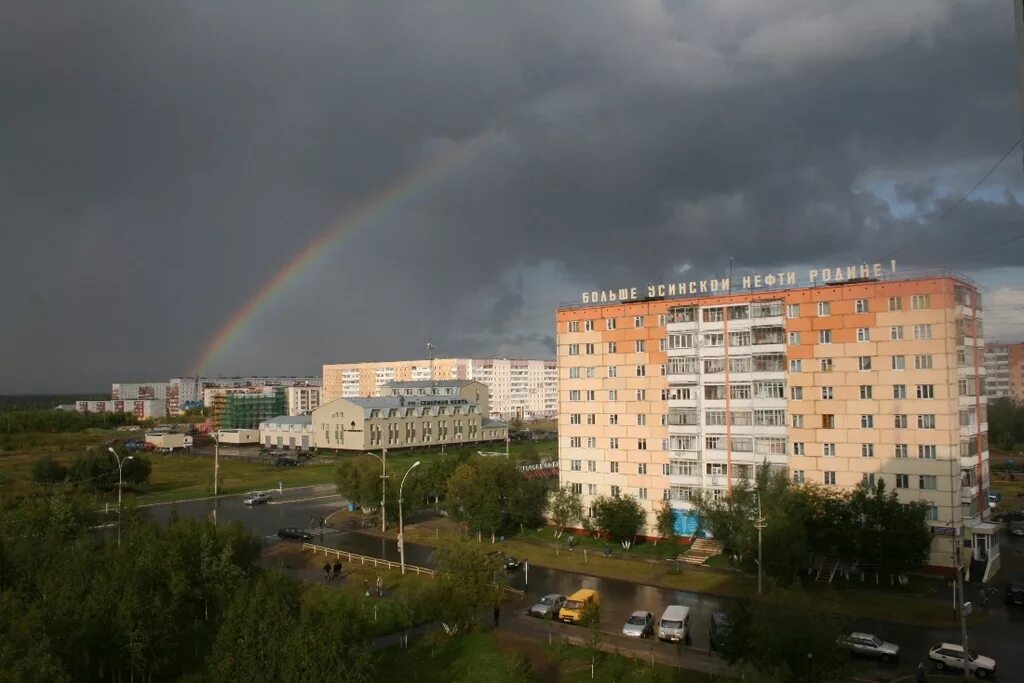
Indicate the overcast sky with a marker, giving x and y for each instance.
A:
(160, 161)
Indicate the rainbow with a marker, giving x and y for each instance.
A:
(404, 187)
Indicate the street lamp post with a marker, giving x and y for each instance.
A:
(760, 524)
(401, 537)
(120, 480)
(383, 485)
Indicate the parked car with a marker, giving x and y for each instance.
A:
(507, 561)
(1016, 527)
(951, 655)
(548, 606)
(674, 624)
(256, 498)
(1015, 593)
(719, 629)
(868, 645)
(572, 610)
(286, 461)
(294, 534)
(639, 625)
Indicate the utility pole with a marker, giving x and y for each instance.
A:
(961, 603)
(760, 525)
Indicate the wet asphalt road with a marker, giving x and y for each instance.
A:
(998, 636)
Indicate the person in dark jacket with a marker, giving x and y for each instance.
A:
(921, 676)
(327, 571)
(497, 615)
(336, 569)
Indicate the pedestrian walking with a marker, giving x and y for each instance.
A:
(327, 571)
(366, 582)
(337, 569)
(921, 676)
(321, 522)
(312, 525)
(497, 615)
(380, 587)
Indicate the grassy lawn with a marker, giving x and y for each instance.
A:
(855, 599)
(482, 656)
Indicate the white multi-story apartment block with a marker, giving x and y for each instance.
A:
(1004, 368)
(838, 385)
(302, 400)
(518, 387)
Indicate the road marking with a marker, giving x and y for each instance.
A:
(302, 500)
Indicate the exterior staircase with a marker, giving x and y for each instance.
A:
(827, 570)
(701, 550)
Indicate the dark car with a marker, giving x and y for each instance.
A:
(293, 533)
(1015, 593)
(287, 461)
(507, 561)
(719, 629)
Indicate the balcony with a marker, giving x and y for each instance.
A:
(969, 493)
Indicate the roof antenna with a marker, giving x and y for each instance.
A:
(430, 355)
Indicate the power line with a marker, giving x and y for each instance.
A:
(996, 246)
(963, 198)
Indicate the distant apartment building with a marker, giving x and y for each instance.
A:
(838, 385)
(519, 388)
(167, 392)
(302, 400)
(142, 408)
(1004, 370)
(182, 392)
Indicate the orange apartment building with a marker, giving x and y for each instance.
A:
(838, 384)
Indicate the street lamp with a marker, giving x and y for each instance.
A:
(760, 524)
(120, 481)
(401, 537)
(383, 485)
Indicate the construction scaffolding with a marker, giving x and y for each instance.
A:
(247, 411)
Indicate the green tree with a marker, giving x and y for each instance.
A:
(48, 471)
(786, 642)
(468, 581)
(891, 537)
(666, 521)
(332, 637)
(358, 480)
(621, 517)
(565, 508)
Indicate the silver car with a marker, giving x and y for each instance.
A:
(868, 645)
(639, 625)
(548, 606)
(256, 498)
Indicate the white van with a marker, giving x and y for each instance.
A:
(674, 624)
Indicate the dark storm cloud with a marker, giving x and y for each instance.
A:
(161, 161)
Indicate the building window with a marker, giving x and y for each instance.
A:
(793, 311)
(576, 488)
(796, 393)
(641, 371)
(796, 365)
(828, 450)
(609, 324)
(638, 321)
(901, 451)
(615, 491)
(663, 344)
(867, 450)
(899, 391)
(641, 394)
(574, 373)
(798, 448)
(922, 331)
(613, 419)
(613, 443)
(863, 334)
(926, 391)
(919, 301)
(574, 349)
(641, 419)
(641, 493)
(574, 326)
(641, 468)
(824, 309)
(591, 419)
(638, 346)
(927, 482)
(865, 392)
(589, 349)
(794, 338)
(613, 395)
(932, 514)
(574, 394)
(923, 362)
(614, 467)
(590, 373)
(927, 452)
(828, 421)
(591, 443)
(588, 325)
(867, 421)
(899, 421)
(798, 476)
(575, 465)
(661, 320)
(641, 444)
(895, 303)
(826, 364)
(864, 362)
(714, 339)
(868, 479)
(899, 362)
(591, 466)
(575, 419)
(926, 422)
(829, 478)
(613, 347)
(861, 306)
(591, 489)
(827, 393)
(613, 371)
(824, 336)
(798, 421)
